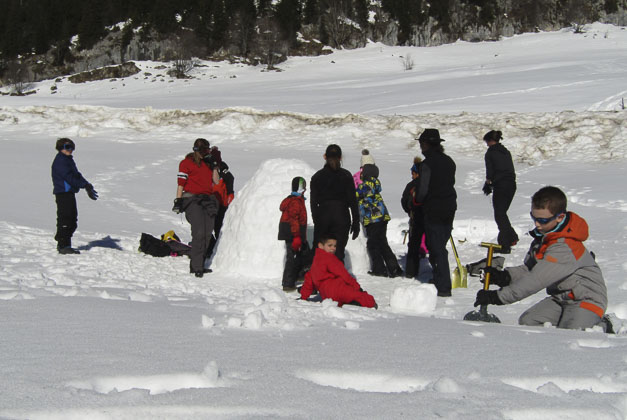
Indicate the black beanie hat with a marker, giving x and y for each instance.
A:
(493, 135)
(298, 183)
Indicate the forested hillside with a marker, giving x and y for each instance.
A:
(64, 36)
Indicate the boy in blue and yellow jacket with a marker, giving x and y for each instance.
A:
(375, 217)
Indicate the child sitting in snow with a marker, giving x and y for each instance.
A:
(558, 261)
(293, 230)
(329, 277)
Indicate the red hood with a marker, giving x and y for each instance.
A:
(574, 232)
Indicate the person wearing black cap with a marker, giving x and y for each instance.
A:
(437, 193)
(199, 187)
(415, 250)
(293, 230)
(501, 181)
(66, 182)
(229, 182)
(333, 201)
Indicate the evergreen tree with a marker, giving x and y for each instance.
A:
(288, 15)
(361, 13)
(311, 12)
(91, 26)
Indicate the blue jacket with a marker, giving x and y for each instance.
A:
(65, 175)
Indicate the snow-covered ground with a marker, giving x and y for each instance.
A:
(113, 333)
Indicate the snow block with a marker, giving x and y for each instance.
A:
(418, 299)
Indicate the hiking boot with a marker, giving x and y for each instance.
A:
(612, 324)
(289, 289)
(372, 273)
(396, 273)
(68, 250)
(444, 294)
(204, 271)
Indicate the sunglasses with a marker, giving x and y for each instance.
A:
(544, 220)
(68, 146)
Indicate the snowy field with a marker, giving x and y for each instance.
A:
(115, 334)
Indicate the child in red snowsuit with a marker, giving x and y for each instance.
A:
(329, 276)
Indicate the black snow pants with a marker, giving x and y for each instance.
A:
(200, 212)
(295, 263)
(382, 259)
(416, 231)
(67, 218)
(502, 197)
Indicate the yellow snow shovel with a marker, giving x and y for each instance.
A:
(460, 274)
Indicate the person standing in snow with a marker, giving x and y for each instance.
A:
(501, 182)
(333, 201)
(437, 193)
(375, 217)
(416, 248)
(229, 181)
(558, 261)
(293, 230)
(366, 159)
(329, 277)
(66, 182)
(198, 195)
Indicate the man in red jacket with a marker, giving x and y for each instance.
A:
(329, 276)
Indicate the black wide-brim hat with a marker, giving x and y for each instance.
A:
(430, 135)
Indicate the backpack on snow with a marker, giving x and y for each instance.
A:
(168, 245)
(150, 245)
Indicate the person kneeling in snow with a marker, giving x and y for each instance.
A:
(558, 261)
(329, 276)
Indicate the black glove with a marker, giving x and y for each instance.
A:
(210, 161)
(178, 206)
(91, 193)
(355, 230)
(487, 188)
(487, 297)
(498, 277)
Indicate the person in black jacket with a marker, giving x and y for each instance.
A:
(501, 181)
(66, 182)
(437, 193)
(229, 181)
(333, 201)
(416, 221)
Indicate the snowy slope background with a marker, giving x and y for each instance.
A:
(112, 333)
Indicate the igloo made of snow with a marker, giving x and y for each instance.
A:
(248, 244)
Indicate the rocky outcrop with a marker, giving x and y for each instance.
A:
(110, 72)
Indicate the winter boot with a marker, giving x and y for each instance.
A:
(67, 250)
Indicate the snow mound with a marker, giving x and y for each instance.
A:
(248, 244)
(419, 299)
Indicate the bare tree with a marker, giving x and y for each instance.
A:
(18, 76)
(184, 62)
(408, 62)
(336, 22)
(270, 44)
